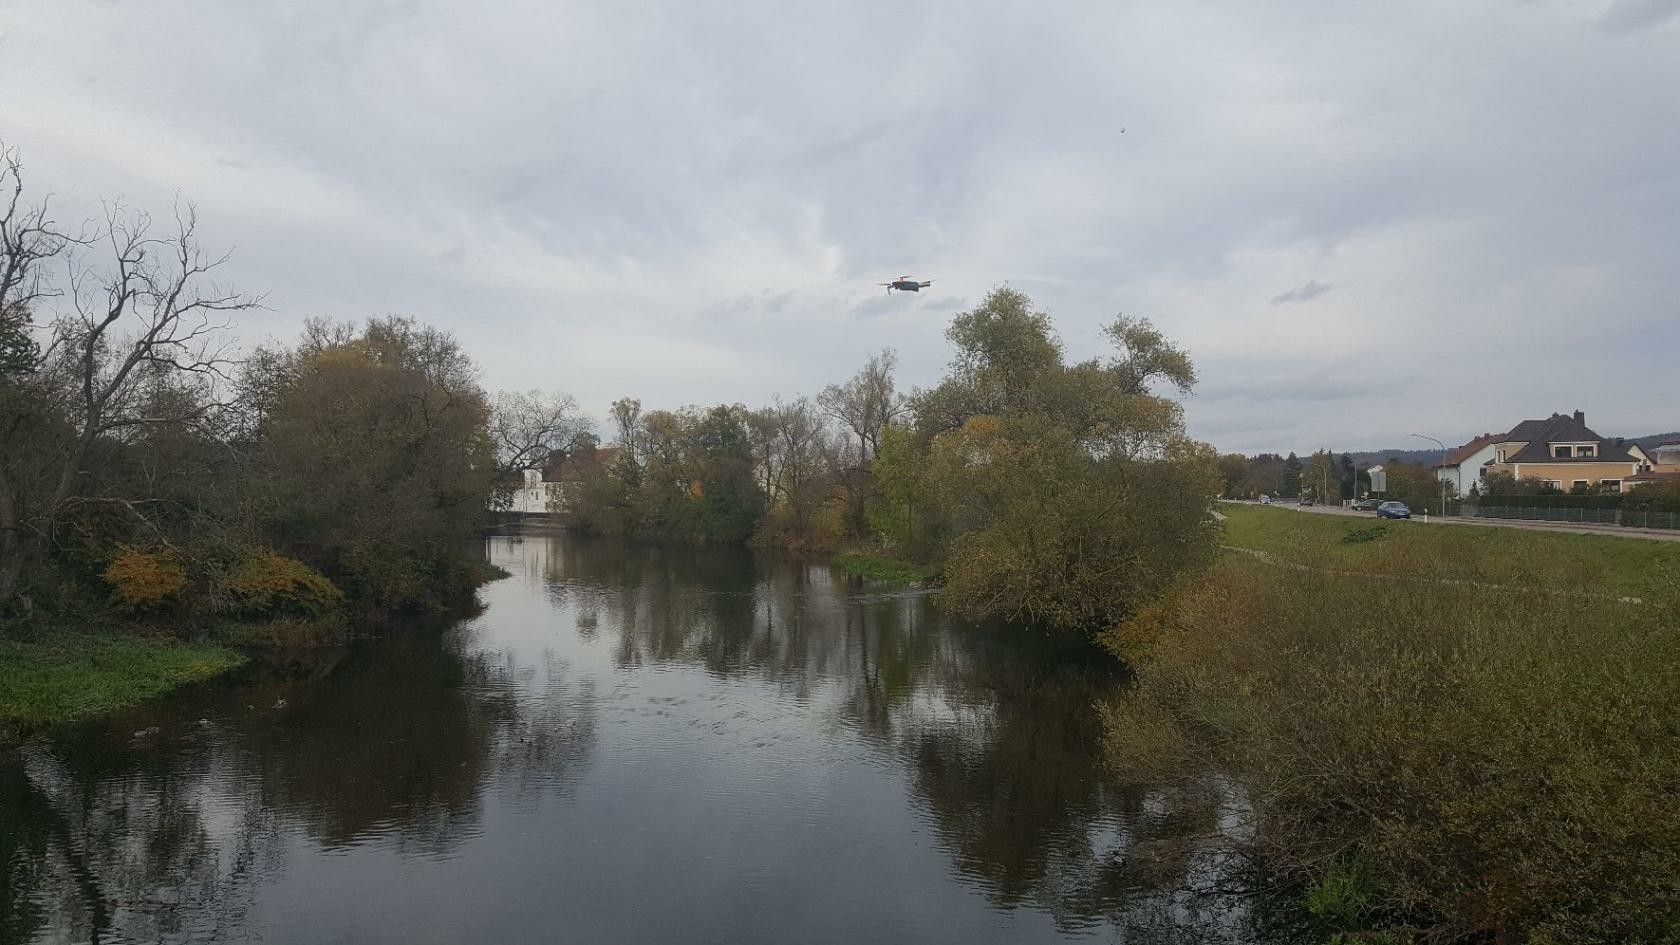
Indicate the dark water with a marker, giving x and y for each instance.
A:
(627, 745)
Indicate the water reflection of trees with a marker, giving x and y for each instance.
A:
(164, 833)
(86, 858)
(995, 725)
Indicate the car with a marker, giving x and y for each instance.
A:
(1366, 505)
(1393, 510)
(1305, 500)
(1265, 500)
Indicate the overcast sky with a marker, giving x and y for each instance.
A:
(1363, 219)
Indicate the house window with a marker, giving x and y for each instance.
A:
(1556, 485)
(1586, 451)
(1580, 484)
(1562, 452)
(1614, 485)
(1499, 456)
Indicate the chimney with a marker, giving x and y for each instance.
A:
(1580, 417)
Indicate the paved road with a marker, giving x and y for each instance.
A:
(1655, 534)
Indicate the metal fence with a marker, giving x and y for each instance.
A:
(1626, 518)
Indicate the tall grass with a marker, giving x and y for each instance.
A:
(1463, 750)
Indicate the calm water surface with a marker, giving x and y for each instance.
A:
(627, 745)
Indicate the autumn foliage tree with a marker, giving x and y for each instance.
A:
(375, 451)
(1067, 493)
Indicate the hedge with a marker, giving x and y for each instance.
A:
(1636, 499)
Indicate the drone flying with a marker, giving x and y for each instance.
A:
(905, 284)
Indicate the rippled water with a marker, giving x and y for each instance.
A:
(626, 745)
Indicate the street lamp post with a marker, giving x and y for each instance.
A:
(1443, 447)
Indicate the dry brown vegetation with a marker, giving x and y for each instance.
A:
(1430, 759)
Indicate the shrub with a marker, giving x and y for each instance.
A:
(1500, 763)
(145, 580)
(269, 584)
(1360, 535)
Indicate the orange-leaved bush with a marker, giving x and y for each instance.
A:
(142, 579)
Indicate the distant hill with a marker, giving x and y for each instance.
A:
(1420, 457)
(1430, 457)
(1648, 443)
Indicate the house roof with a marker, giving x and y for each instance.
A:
(1529, 430)
(1463, 453)
(1558, 428)
(1651, 475)
(575, 467)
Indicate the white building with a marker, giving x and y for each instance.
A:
(1466, 465)
(534, 496)
(1663, 467)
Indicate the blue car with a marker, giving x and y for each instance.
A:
(1393, 510)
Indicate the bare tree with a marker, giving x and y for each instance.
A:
(150, 310)
(28, 241)
(865, 404)
(799, 448)
(532, 426)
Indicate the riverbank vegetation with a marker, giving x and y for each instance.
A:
(71, 676)
(876, 567)
(158, 486)
(1437, 733)
(1065, 494)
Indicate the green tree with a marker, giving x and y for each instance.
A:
(1234, 475)
(904, 514)
(376, 452)
(1070, 493)
(730, 503)
(1290, 487)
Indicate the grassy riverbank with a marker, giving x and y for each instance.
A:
(67, 676)
(882, 568)
(1604, 564)
(1439, 733)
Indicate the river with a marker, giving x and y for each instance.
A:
(626, 745)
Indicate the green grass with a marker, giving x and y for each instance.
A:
(71, 676)
(881, 568)
(1603, 563)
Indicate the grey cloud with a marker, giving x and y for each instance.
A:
(1629, 15)
(693, 204)
(1305, 292)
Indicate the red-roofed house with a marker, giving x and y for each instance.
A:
(1463, 466)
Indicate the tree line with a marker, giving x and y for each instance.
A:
(1065, 493)
(152, 468)
(1322, 476)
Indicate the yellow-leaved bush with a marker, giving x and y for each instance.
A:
(266, 583)
(145, 580)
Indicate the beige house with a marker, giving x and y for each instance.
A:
(1563, 451)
